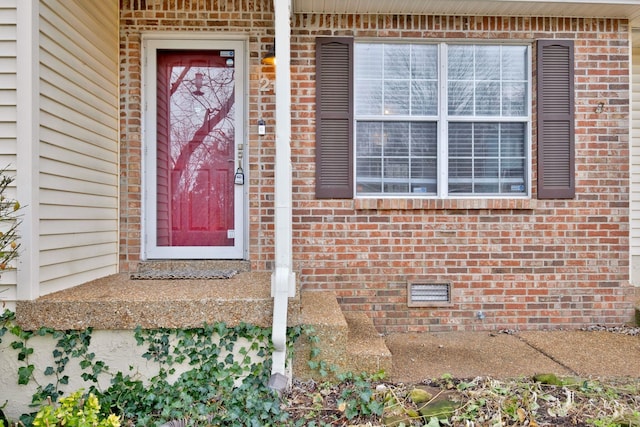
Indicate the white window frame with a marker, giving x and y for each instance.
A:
(443, 119)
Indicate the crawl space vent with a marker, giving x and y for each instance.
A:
(422, 294)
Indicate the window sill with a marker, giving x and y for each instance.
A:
(451, 204)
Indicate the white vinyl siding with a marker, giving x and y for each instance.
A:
(635, 169)
(8, 114)
(78, 151)
(8, 81)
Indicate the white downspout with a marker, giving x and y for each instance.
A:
(283, 278)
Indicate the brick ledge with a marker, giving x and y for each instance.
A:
(408, 204)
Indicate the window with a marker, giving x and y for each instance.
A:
(441, 119)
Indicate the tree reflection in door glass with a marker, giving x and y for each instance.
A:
(196, 98)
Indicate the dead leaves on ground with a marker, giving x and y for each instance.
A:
(473, 403)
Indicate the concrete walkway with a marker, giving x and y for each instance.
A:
(420, 356)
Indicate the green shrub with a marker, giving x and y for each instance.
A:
(8, 221)
(75, 410)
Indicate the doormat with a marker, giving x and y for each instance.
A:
(183, 274)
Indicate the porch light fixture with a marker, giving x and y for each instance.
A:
(198, 83)
(270, 57)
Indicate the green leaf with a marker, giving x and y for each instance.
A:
(24, 374)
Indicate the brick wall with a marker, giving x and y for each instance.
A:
(525, 264)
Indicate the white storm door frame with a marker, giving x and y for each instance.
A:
(151, 44)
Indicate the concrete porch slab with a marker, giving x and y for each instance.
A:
(589, 353)
(420, 356)
(117, 302)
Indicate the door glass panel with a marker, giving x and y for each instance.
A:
(195, 148)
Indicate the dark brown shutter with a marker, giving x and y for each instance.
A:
(556, 136)
(334, 118)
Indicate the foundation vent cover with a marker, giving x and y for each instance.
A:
(421, 294)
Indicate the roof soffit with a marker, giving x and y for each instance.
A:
(629, 9)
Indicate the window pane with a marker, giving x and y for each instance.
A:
(460, 65)
(487, 81)
(512, 176)
(394, 187)
(424, 170)
(487, 62)
(513, 169)
(487, 158)
(369, 138)
(424, 98)
(460, 175)
(460, 139)
(396, 97)
(368, 79)
(396, 139)
(396, 168)
(424, 85)
(397, 61)
(424, 149)
(424, 62)
(486, 136)
(514, 99)
(368, 97)
(488, 99)
(368, 59)
(396, 157)
(396, 79)
(460, 98)
(424, 140)
(485, 168)
(396, 174)
(369, 168)
(514, 63)
(369, 187)
(512, 140)
(423, 176)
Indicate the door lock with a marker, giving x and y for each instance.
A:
(239, 177)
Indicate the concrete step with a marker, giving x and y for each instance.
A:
(636, 297)
(321, 312)
(349, 342)
(119, 302)
(366, 349)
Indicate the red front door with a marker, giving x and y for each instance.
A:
(196, 157)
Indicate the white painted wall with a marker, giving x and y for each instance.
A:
(8, 114)
(118, 349)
